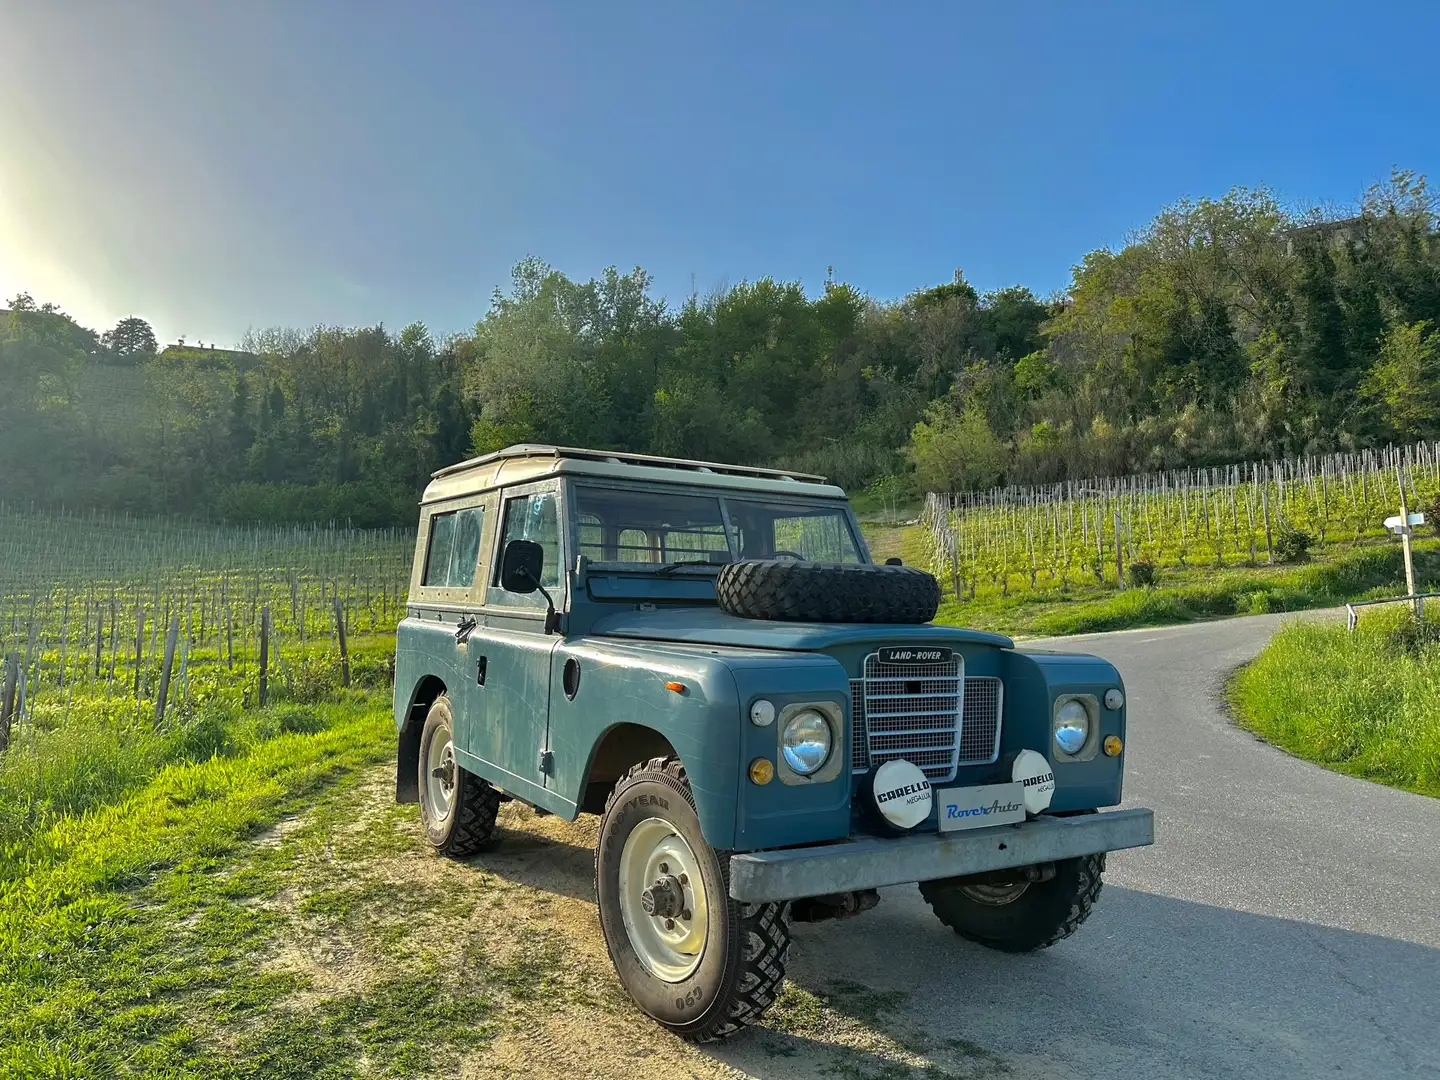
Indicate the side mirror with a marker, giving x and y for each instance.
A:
(521, 566)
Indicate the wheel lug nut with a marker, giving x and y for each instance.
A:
(664, 868)
(685, 915)
(684, 879)
(669, 924)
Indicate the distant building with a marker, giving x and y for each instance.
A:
(1337, 233)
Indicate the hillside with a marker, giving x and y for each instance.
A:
(1227, 330)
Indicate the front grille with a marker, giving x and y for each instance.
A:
(916, 712)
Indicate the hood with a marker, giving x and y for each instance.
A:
(711, 626)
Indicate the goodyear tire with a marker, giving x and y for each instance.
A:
(797, 591)
(457, 808)
(1024, 916)
(695, 960)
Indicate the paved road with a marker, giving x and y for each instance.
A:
(1285, 924)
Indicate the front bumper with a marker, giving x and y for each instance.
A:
(871, 862)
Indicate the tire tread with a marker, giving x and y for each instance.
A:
(1040, 933)
(787, 590)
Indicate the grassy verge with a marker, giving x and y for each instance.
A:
(1365, 703)
(1182, 595)
(121, 941)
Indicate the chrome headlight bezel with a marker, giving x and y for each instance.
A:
(1075, 712)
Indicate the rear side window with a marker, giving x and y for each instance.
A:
(454, 548)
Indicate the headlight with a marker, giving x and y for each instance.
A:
(1072, 727)
(806, 741)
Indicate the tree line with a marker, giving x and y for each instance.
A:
(1224, 330)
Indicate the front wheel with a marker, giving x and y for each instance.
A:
(1019, 915)
(697, 961)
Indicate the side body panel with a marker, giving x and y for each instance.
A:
(507, 727)
(425, 647)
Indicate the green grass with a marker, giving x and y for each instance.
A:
(1365, 703)
(1332, 577)
(134, 935)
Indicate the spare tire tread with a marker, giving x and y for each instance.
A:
(793, 591)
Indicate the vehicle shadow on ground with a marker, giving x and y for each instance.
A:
(543, 853)
(1150, 986)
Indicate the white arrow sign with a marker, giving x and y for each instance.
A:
(1396, 522)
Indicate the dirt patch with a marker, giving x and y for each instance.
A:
(514, 933)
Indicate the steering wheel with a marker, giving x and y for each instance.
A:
(793, 554)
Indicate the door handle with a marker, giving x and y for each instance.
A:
(480, 666)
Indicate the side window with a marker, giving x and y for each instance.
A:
(454, 548)
(530, 517)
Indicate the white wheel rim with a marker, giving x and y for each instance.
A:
(668, 944)
(440, 769)
(995, 895)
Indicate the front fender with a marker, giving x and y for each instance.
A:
(1033, 682)
(625, 683)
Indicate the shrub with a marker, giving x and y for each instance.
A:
(311, 681)
(1141, 574)
(1293, 545)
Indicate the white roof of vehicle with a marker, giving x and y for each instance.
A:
(527, 462)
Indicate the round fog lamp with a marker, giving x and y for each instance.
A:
(806, 741)
(1072, 727)
(1113, 745)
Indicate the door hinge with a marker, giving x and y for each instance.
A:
(547, 762)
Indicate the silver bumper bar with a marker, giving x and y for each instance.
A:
(870, 863)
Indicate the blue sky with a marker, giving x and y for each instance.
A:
(214, 167)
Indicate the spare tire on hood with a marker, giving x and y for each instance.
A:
(795, 591)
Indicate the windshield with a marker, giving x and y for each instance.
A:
(618, 525)
(816, 533)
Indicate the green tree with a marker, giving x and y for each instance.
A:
(955, 451)
(1403, 387)
(131, 340)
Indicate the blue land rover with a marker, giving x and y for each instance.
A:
(767, 722)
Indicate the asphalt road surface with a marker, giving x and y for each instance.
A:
(1286, 923)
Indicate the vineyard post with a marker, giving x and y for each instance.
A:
(170, 638)
(344, 648)
(1419, 604)
(264, 697)
(1119, 564)
(1265, 506)
(139, 645)
(99, 636)
(64, 640)
(7, 697)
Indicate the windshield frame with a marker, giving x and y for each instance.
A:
(723, 496)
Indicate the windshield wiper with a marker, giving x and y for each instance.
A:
(719, 558)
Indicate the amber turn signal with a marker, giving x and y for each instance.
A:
(1113, 745)
(675, 687)
(762, 771)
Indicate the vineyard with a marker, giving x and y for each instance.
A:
(89, 604)
(1123, 531)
